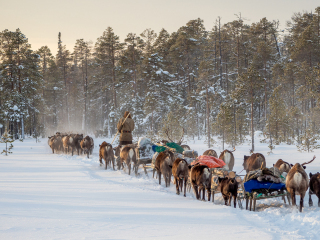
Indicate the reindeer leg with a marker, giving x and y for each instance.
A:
(177, 186)
(185, 187)
(195, 190)
(234, 201)
(212, 196)
(293, 197)
(129, 167)
(159, 174)
(318, 201)
(301, 201)
(230, 197)
(209, 194)
(310, 199)
(203, 194)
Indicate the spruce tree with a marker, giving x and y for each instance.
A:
(248, 89)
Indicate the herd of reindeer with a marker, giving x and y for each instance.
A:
(64, 142)
(197, 176)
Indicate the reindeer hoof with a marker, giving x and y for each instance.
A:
(310, 204)
(177, 192)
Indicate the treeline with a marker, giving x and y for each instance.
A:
(229, 81)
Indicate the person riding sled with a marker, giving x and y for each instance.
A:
(125, 126)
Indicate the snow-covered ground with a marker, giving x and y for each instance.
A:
(57, 196)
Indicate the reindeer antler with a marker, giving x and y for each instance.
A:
(181, 139)
(167, 133)
(314, 157)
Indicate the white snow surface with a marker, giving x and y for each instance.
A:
(58, 196)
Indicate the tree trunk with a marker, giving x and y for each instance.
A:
(208, 113)
(252, 131)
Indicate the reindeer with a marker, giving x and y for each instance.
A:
(228, 158)
(229, 189)
(77, 140)
(163, 165)
(201, 180)
(87, 145)
(106, 153)
(184, 146)
(65, 143)
(127, 155)
(314, 187)
(283, 166)
(53, 143)
(59, 141)
(180, 172)
(210, 152)
(253, 162)
(297, 182)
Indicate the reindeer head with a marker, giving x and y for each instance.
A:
(245, 158)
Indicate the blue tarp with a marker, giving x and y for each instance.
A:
(254, 184)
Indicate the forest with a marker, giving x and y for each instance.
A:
(229, 81)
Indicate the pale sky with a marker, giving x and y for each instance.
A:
(42, 20)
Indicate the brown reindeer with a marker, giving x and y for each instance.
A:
(180, 172)
(314, 187)
(72, 141)
(59, 141)
(65, 143)
(253, 162)
(87, 145)
(53, 143)
(211, 152)
(201, 181)
(128, 156)
(228, 158)
(163, 165)
(297, 182)
(77, 140)
(229, 189)
(106, 153)
(283, 166)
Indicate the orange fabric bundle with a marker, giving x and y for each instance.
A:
(211, 162)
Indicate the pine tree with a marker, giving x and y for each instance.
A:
(308, 142)
(107, 51)
(277, 124)
(21, 82)
(7, 138)
(248, 89)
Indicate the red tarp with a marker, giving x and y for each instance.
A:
(209, 161)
